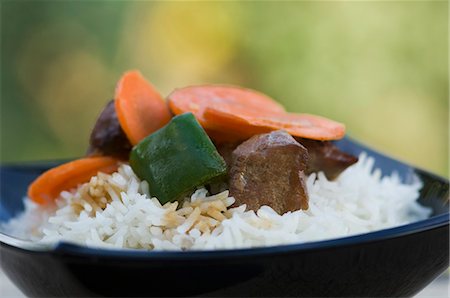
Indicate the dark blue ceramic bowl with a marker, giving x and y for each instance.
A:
(393, 262)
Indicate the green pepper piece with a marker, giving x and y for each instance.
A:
(177, 158)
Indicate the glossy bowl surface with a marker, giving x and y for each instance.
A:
(394, 262)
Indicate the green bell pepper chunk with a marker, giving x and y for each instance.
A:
(177, 158)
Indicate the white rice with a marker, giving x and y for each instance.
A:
(117, 211)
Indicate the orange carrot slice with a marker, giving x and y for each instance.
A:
(231, 113)
(141, 110)
(196, 98)
(222, 136)
(247, 122)
(49, 185)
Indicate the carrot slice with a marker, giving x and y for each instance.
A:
(222, 136)
(246, 122)
(222, 123)
(141, 110)
(196, 98)
(49, 185)
(231, 113)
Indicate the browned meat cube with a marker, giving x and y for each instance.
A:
(107, 137)
(226, 151)
(326, 157)
(268, 169)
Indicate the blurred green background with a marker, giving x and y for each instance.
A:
(379, 67)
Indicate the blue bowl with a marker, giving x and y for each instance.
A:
(393, 262)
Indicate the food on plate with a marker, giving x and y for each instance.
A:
(269, 169)
(107, 136)
(141, 110)
(226, 149)
(239, 113)
(196, 99)
(49, 185)
(177, 158)
(213, 167)
(248, 122)
(326, 157)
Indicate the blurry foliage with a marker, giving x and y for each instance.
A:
(379, 67)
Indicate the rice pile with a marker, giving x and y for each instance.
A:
(117, 211)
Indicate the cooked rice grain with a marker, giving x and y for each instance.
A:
(117, 211)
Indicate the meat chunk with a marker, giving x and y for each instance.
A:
(326, 157)
(107, 137)
(226, 151)
(268, 169)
